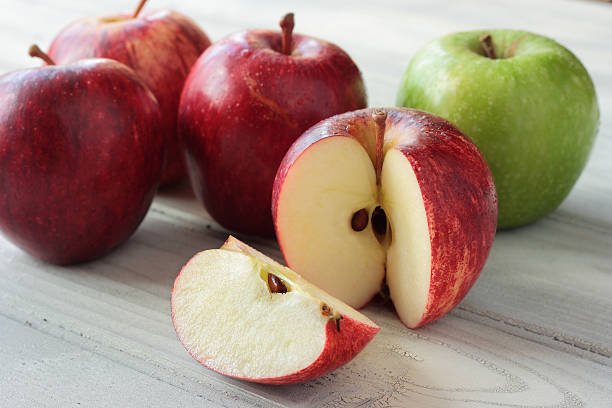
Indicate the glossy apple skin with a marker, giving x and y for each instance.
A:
(81, 156)
(455, 182)
(160, 46)
(244, 104)
(534, 116)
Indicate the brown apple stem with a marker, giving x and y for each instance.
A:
(34, 51)
(487, 46)
(139, 8)
(380, 118)
(287, 24)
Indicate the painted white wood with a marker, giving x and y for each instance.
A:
(536, 330)
(109, 320)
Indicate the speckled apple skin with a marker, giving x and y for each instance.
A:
(533, 113)
(244, 104)
(341, 346)
(81, 156)
(456, 185)
(161, 46)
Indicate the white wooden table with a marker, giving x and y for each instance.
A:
(536, 330)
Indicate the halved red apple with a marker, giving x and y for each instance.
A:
(244, 315)
(395, 194)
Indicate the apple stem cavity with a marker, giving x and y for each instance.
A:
(275, 284)
(139, 8)
(287, 24)
(380, 118)
(359, 220)
(487, 46)
(35, 51)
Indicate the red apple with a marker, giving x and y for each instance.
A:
(244, 315)
(395, 195)
(81, 155)
(161, 46)
(248, 97)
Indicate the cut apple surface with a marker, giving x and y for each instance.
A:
(330, 183)
(423, 223)
(242, 314)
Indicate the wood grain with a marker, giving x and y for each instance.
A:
(536, 330)
(114, 314)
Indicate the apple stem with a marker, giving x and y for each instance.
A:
(139, 8)
(287, 24)
(35, 51)
(338, 322)
(488, 47)
(380, 118)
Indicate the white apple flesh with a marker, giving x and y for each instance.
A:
(243, 315)
(427, 225)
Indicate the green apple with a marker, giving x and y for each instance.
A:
(525, 100)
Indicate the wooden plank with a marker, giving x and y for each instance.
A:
(39, 370)
(121, 314)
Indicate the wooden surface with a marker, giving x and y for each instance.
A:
(536, 330)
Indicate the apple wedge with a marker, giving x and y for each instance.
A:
(246, 316)
(395, 196)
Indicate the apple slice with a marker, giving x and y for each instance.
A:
(244, 315)
(394, 193)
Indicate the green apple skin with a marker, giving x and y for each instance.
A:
(532, 112)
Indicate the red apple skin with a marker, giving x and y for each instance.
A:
(244, 104)
(81, 156)
(340, 348)
(160, 46)
(456, 185)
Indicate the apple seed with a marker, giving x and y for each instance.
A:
(326, 310)
(359, 220)
(379, 221)
(275, 284)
